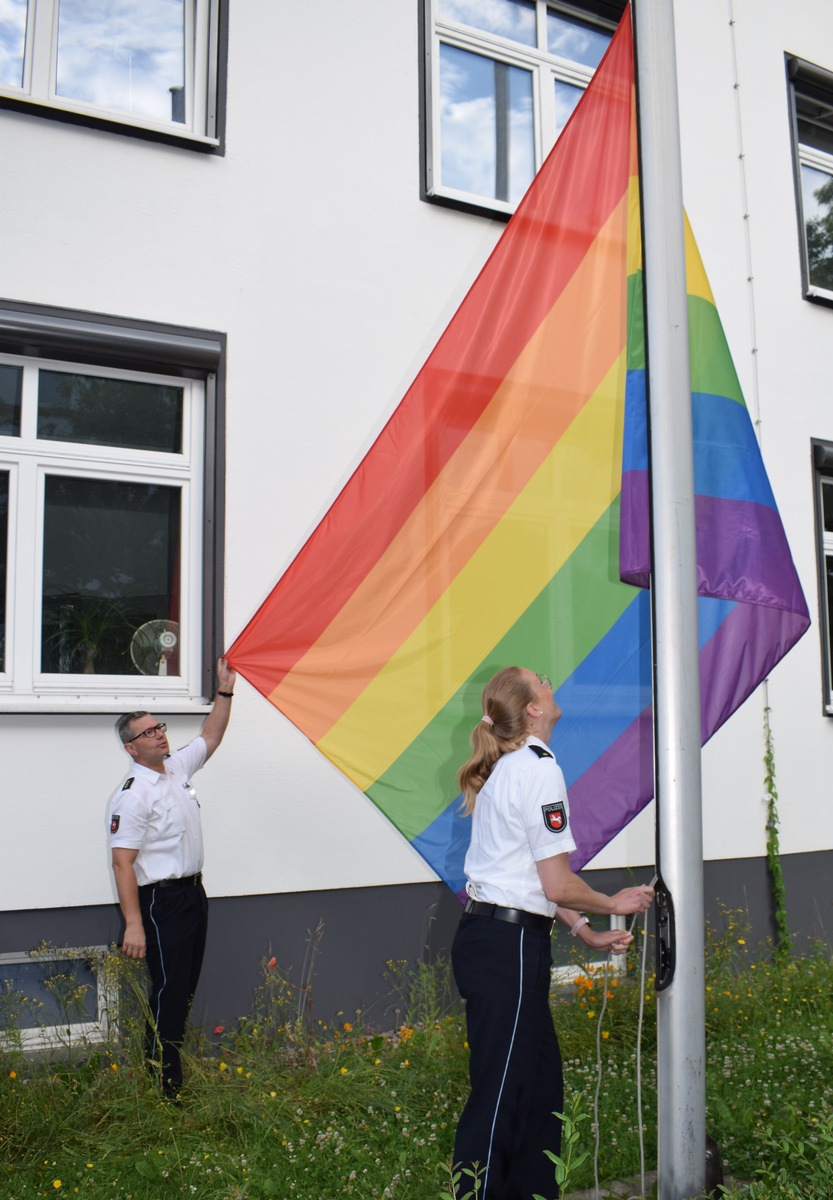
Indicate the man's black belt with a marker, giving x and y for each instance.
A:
(515, 916)
(183, 881)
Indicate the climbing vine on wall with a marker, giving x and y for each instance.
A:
(773, 848)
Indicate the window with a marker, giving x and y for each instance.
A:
(54, 999)
(500, 82)
(823, 481)
(110, 472)
(811, 91)
(144, 65)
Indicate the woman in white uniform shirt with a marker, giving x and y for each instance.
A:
(518, 881)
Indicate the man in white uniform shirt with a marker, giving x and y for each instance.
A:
(156, 838)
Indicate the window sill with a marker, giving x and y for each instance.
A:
(97, 119)
(819, 295)
(160, 704)
(466, 202)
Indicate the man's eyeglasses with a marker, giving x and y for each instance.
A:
(148, 733)
(545, 679)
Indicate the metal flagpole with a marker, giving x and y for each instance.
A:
(680, 942)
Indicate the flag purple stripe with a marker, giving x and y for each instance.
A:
(613, 790)
(747, 644)
(750, 641)
(742, 550)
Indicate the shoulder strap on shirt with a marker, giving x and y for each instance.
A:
(540, 751)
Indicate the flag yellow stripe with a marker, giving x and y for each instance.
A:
(696, 282)
(563, 501)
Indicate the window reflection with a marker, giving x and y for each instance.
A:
(59, 992)
(4, 552)
(111, 554)
(486, 125)
(575, 40)
(827, 504)
(11, 382)
(12, 42)
(109, 412)
(567, 96)
(817, 195)
(127, 55)
(513, 19)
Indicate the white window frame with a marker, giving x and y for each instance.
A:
(202, 77)
(823, 477)
(57, 1037)
(808, 79)
(545, 68)
(196, 471)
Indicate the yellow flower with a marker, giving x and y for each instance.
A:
(56, 1183)
(12, 1074)
(741, 941)
(273, 1094)
(348, 1028)
(605, 1033)
(343, 1070)
(239, 1070)
(114, 1066)
(222, 1066)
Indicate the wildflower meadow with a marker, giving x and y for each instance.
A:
(281, 1105)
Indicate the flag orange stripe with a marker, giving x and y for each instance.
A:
(558, 370)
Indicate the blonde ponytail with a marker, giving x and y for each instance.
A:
(502, 728)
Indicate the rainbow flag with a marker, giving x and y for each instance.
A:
(482, 529)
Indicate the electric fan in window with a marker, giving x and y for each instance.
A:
(152, 645)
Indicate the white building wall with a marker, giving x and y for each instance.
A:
(308, 245)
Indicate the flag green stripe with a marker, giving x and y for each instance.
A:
(558, 630)
(712, 369)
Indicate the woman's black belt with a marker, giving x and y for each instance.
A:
(515, 916)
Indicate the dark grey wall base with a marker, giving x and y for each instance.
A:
(362, 929)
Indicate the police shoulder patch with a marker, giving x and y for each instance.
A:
(540, 751)
(114, 824)
(128, 784)
(555, 816)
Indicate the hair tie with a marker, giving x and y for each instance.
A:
(488, 720)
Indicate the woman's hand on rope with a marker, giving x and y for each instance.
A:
(608, 941)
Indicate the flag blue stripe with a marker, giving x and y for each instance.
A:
(732, 469)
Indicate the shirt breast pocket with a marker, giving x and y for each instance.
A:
(170, 823)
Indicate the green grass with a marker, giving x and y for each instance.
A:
(290, 1108)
